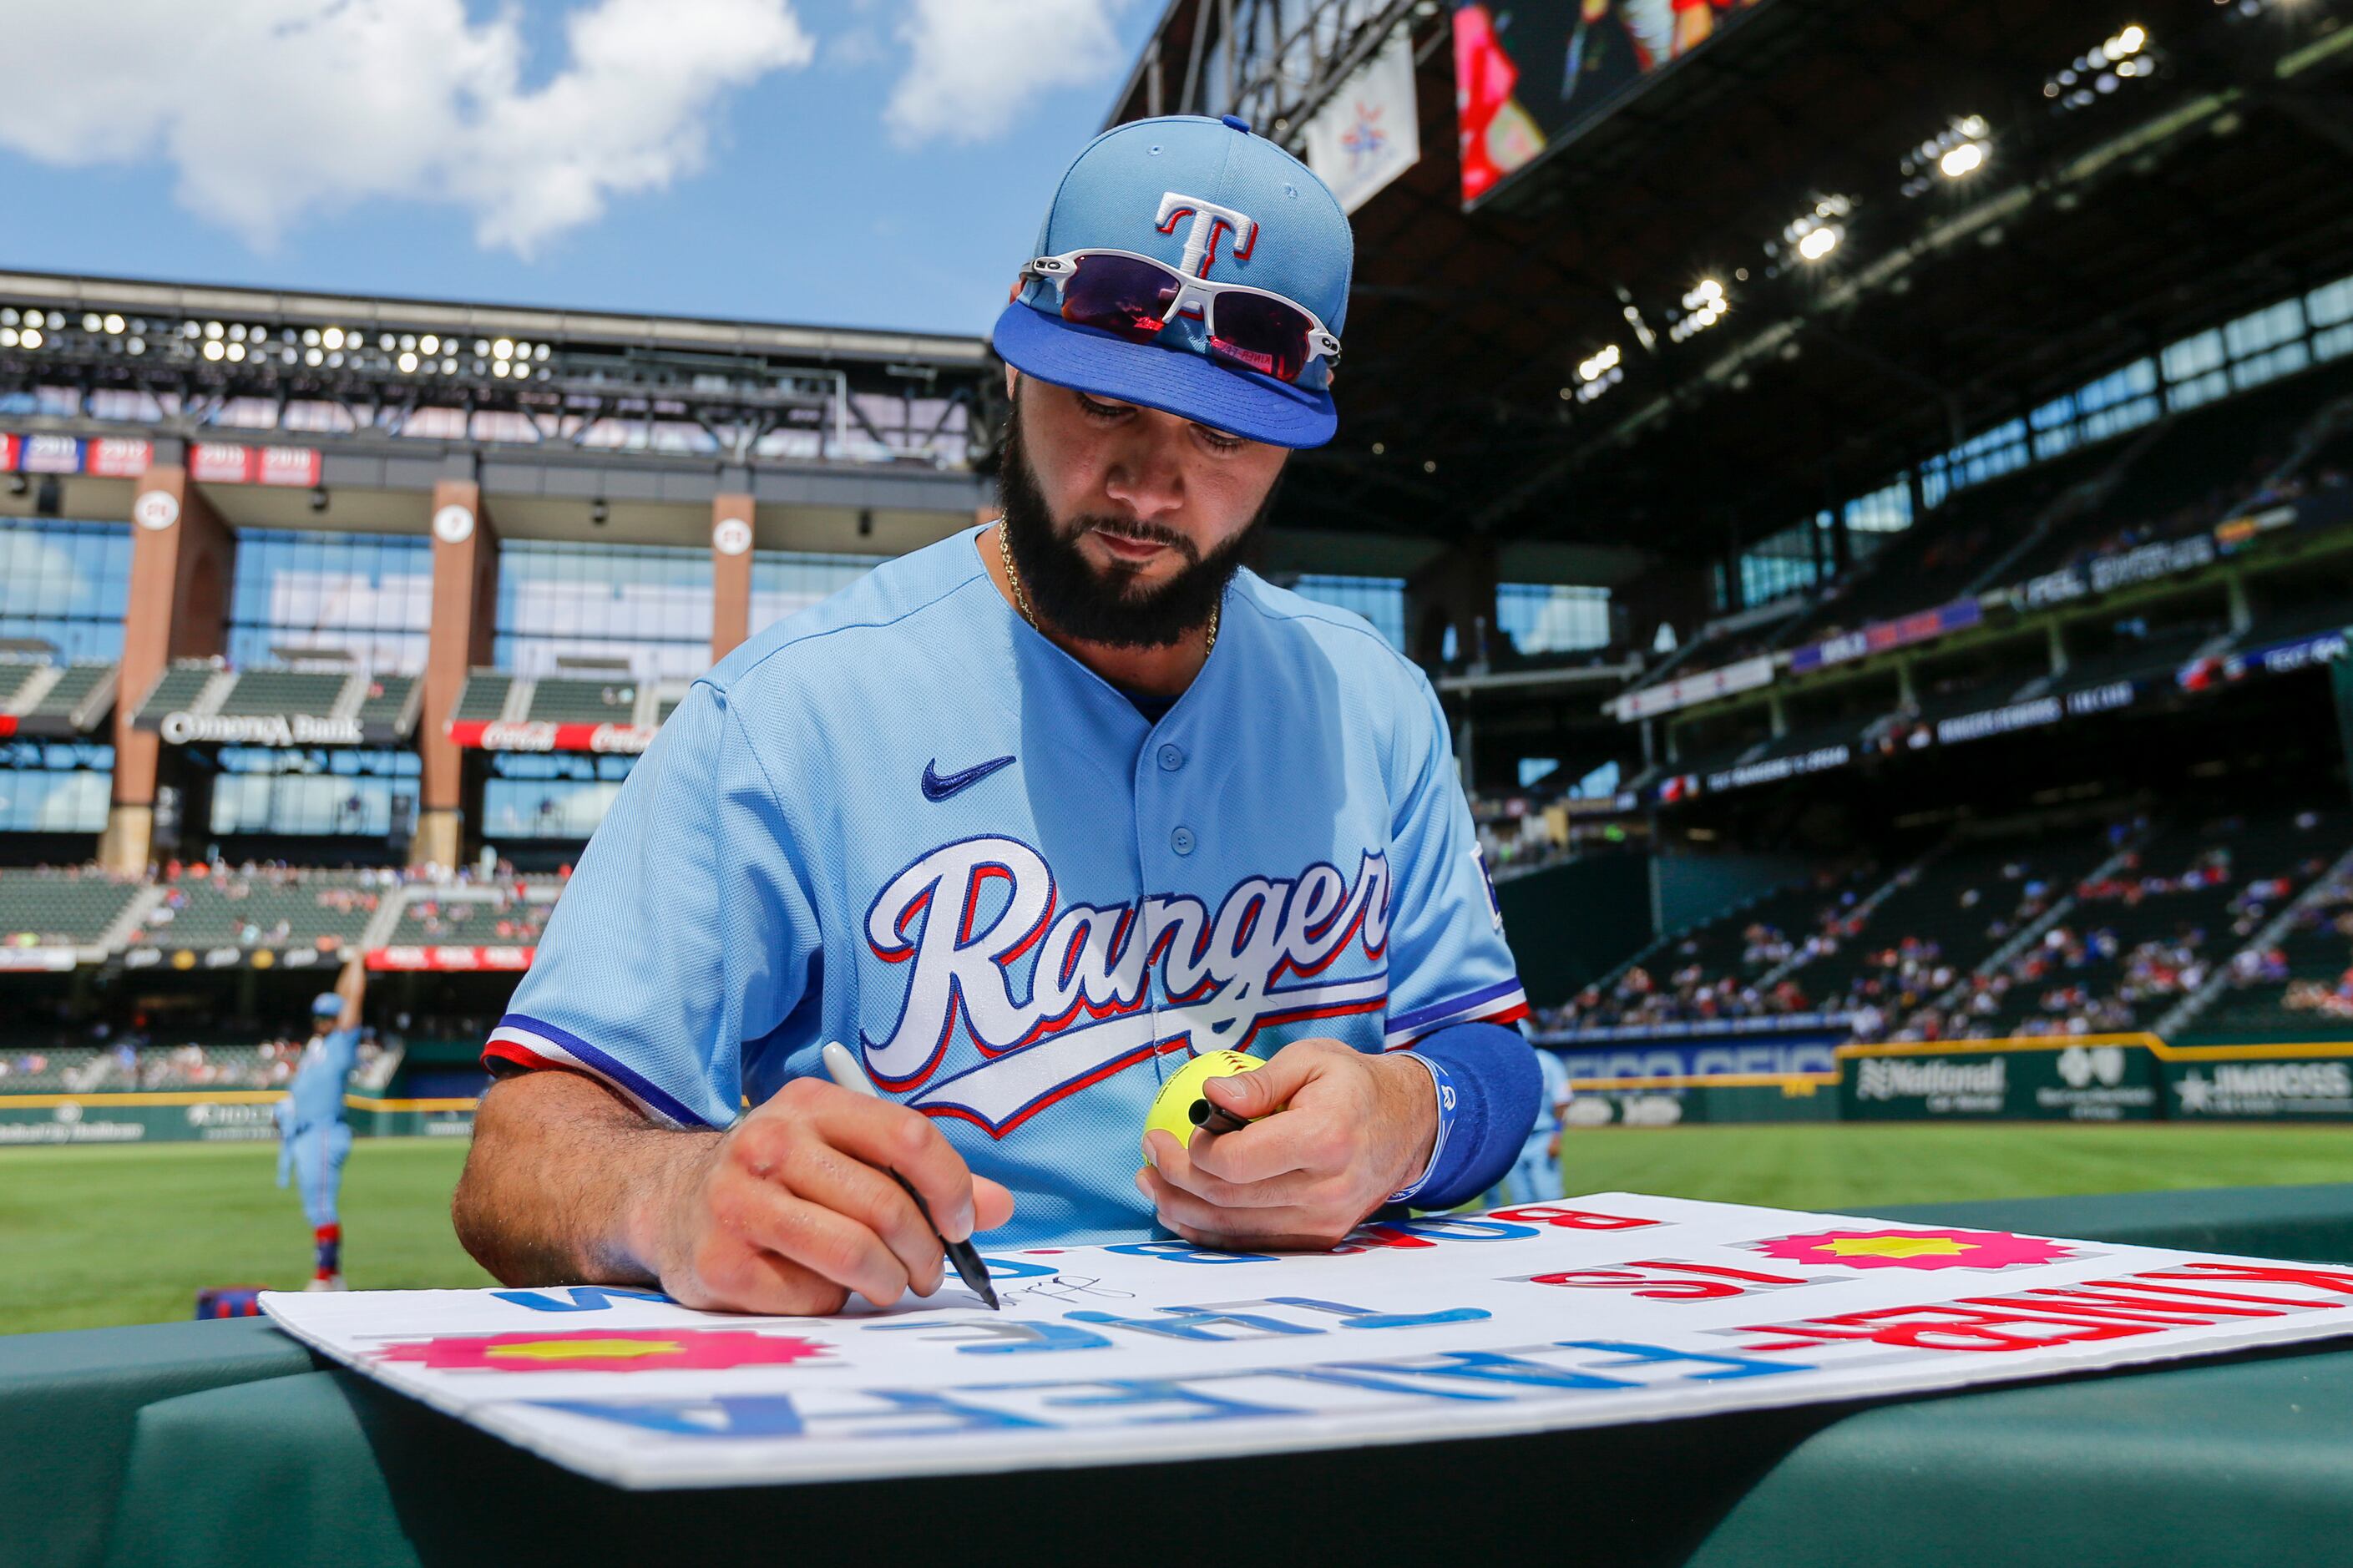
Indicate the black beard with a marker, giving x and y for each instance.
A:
(1104, 606)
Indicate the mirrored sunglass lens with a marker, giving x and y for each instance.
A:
(1118, 295)
(1263, 334)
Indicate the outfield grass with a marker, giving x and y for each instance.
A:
(127, 1234)
(99, 1236)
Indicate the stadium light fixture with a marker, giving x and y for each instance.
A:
(1817, 243)
(1703, 306)
(1966, 159)
(7, 337)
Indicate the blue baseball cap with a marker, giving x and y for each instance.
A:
(326, 1004)
(1183, 189)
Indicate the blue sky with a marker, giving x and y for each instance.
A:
(867, 163)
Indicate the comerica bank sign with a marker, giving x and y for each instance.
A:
(257, 730)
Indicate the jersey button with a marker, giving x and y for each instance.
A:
(1171, 758)
(1181, 841)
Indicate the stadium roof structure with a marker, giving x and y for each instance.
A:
(858, 433)
(2214, 179)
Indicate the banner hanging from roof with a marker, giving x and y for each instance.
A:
(1370, 131)
(1592, 1312)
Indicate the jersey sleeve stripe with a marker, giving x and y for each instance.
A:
(1502, 1002)
(560, 1048)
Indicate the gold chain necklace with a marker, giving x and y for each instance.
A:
(1021, 594)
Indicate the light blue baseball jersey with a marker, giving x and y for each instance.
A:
(1555, 1072)
(316, 1095)
(905, 820)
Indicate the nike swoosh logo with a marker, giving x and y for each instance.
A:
(937, 787)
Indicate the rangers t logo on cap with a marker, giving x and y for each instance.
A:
(1113, 306)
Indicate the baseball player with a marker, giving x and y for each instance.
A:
(314, 1138)
(1025, 819)
(1535, 1174)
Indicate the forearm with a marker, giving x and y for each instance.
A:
(566, 1184)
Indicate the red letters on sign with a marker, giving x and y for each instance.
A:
(1571, 1219)
(1662, 1280)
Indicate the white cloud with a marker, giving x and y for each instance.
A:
(977, 63)
(274, 111)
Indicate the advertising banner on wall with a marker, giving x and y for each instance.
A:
(1880, 635)
(1684, 690)
(2251, 1083)
(2086, 1081)
(1370, 132)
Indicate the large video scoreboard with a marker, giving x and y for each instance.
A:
(1530, 74)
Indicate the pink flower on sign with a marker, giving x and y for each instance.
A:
(1913, 1249)
(607, 1349)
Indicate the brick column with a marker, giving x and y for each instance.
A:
(183, 559)
(731, 572)
(465, 608)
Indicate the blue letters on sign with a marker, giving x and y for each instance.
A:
(583, 1297)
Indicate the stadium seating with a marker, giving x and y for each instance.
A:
(386, 704)
(180, 686)
(15, 674)
(484, 697)
(564, 701)
(275, 908)
(1714, 971)
(2150, 934)
(505, 920)
(61, 908)
(1915, 957)
(285, 691)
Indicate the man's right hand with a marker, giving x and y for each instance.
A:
(792, 1208)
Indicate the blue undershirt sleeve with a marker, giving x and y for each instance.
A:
(1497, 1084)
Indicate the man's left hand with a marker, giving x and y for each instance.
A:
(1353, 1128)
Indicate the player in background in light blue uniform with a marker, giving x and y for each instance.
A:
(314, 1138)
(1025, 819)
(1535, 1175)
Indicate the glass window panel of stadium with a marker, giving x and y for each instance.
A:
(2280, 339)
(366, 594)
(553, 798)
(332, 790)
(646, 606)
(65, 584)
(1552, 617)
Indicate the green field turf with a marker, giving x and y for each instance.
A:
(127, 1234)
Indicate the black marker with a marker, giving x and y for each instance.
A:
(845, 1072)
(1211, 1118)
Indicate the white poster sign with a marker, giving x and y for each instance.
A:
(1370, 131)
(1591, 1312)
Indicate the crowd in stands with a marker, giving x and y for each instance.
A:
(133, 1060)
(1941, 953)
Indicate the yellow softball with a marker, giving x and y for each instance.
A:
(1172, 1110)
